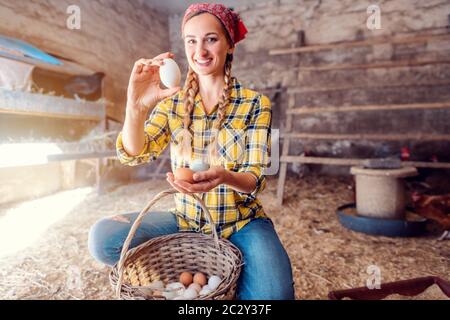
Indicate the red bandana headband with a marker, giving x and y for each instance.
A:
(231, 20)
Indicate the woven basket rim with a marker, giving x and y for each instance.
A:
(227, 282)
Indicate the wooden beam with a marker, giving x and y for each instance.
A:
(410, 106)
(68, 67)
(357, 162)
(33, 104)
(368, 136)
(342, 87)
(368, 42)
(84, 155)
(373, 65)
(112, 118)
(321, 160)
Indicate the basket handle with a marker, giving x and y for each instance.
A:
(138, 221)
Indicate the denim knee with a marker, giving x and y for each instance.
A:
(267, 271)
(97, 242)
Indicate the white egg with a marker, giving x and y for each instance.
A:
(169, 295)
(179, 298)
(170, 73)
(175, 286)
(195, 286)
(205, 290)
(198, 165)
(190, 294)
(156, 285)
(214, 282)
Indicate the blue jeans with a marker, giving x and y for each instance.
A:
(265, 275)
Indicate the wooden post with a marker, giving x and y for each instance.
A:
(101, 162)
(285, 152)
(69, 171)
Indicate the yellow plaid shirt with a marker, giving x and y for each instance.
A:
(244, 146)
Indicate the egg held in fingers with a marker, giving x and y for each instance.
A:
(199, 165)
(169, 73)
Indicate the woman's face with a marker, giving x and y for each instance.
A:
(206, 45)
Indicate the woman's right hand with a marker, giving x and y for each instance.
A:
(144, 91)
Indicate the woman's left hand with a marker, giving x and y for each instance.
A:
(204, 180)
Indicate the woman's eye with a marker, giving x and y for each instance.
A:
(191, 41)
(211, 40)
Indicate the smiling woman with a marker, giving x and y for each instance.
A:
(213, 117)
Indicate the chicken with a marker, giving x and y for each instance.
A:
(85, 86)
(405, 154)
(434, 207)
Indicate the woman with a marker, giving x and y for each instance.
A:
(213, 112)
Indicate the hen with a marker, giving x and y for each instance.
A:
(434, 207)
(85, 86)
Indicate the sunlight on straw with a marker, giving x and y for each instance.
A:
(22, 154)
(23, 225)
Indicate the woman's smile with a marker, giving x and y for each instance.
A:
(203, 62)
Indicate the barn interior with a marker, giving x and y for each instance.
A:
(360, 99)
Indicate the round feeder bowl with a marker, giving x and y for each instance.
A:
(380, 193)
(412, 226)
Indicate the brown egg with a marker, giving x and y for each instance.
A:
(186, 278)
(157, 293)
(184, 174)
(200, 279)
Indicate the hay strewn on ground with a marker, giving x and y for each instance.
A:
(325, 256)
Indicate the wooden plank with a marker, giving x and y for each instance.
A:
(373, 65)
(410, 106)
(369, 136)
(339, 87)
(322, 160)
(112, 118)
(357, 162)
(84, 155)
(34, 104)
(68, 67)
(285, 152)
(368, 42)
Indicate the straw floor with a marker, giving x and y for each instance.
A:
(324, 255)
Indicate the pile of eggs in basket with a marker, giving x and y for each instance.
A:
(190, 286)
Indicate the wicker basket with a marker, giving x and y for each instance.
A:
(165, 257)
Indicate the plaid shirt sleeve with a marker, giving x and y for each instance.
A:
(157, 137)
(257, 148)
